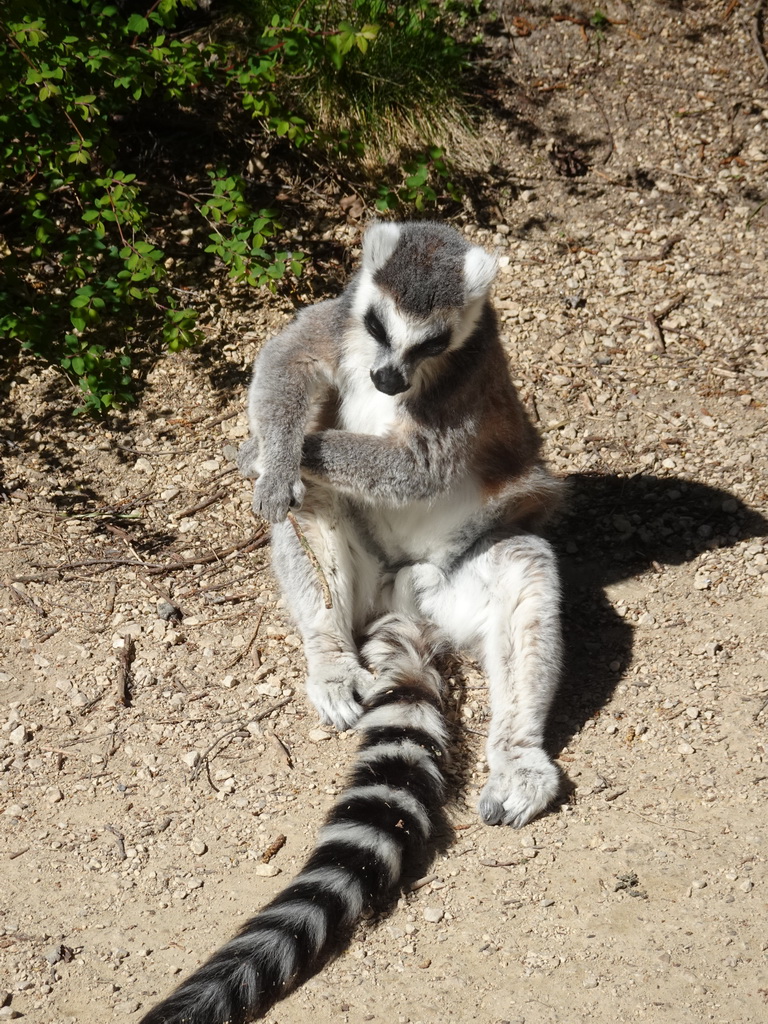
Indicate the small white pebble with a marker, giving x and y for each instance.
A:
(266, 870)
(19, 735)
(433, 914)
(319, 735)
(198, 847)
(747, 885)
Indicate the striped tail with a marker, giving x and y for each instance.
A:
(377, 832)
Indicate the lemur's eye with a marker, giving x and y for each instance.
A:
(376, 328)
(434, 346)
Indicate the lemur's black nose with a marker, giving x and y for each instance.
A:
(389, 381)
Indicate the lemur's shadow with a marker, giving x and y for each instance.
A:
(616, 528)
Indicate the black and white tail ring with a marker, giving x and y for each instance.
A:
(379, 829)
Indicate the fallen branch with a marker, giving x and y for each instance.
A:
(256, 540)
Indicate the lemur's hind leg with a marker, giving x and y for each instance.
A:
(504, 604)
(336, 681)
(522, 655)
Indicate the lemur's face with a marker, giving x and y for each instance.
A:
(402, 347)
(418, 298)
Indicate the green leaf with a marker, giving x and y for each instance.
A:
(137, 23)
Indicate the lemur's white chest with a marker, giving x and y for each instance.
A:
(364, 410)
(428, 530)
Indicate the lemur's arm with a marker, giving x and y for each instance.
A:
(384, 469)
(289, 372)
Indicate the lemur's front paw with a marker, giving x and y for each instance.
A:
(248, 459)
(338, 693)
(520, 787)
(274, 496)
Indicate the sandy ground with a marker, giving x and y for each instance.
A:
(634, 300)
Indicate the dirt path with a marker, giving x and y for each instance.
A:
(634, 299)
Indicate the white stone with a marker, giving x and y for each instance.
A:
(268, 689)
(434, 914)
(266, 870)
(19, 735)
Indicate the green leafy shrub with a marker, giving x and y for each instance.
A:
(96, 259)
(367, 67)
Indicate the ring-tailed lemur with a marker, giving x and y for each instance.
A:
(378, 830)
(388, 420)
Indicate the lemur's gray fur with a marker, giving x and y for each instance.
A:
(387, 419)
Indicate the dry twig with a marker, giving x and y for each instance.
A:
(660, 255)
(313, 559)
(23, 598)
(127, 654)
(241, 654)
(421, 882)
(238, 730)
(755, 25)
(256, 540)
(119, 839)
(211, 500)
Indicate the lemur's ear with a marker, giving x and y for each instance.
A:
(479, 272)
(379, 243)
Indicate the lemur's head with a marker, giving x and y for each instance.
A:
(420, 293)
